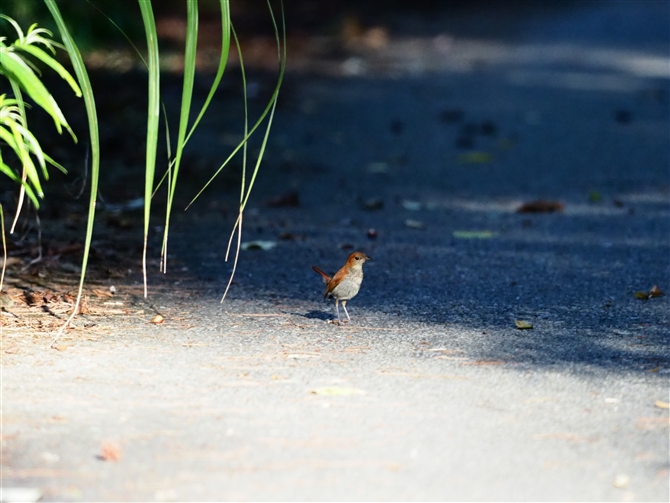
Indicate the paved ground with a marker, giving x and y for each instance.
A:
(431, 393)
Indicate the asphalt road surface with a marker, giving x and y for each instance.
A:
(431, 392)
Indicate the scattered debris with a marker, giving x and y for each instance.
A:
(415, 224)
(474, 234)
(110, 451)
(288, 200)
(336, 391)
(411, 205)
(475, 158)
(595, 197)
(289, 236)
(540, 206)
(372, 204)
(258, 245)
(653, 293)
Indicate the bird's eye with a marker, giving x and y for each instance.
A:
(357, 257)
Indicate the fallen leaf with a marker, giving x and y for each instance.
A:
(259, 245)
(372, 204)
(103, 293)
(621, 481)
(411, 205)
(641, 295)
(655, 292)
(415, 224)
(158, 319)
(523, 325)
(336, 391)
(652, 423)
(475, 158)
(288, 200)
(474, 234)
(595, 197)
(662, 405)
(110, 451)
(540, 206)
(286, 236)
(378, 167)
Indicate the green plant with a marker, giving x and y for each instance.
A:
(23, 76)
(184, 130)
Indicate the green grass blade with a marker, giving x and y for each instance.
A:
(89, 100)
(281, 44)
(186, 99)
(153, 116)
(223, 60)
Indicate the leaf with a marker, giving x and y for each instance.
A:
(158, 319)
(259, 245)
(595, 196)
(540, 206)
(641, 295)
(523, 325)
(475, 158)
(474, 234)
(662, 405)
(655, 292)
(336, 391)
(415, 224)
(411, 205)
(110, 451)
(621, 481)
(288, 200)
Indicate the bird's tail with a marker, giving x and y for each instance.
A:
(325, 277)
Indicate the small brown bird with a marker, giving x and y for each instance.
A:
(346, 282)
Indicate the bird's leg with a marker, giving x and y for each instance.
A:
(344, 306)
(338, 309)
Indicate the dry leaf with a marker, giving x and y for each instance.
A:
(662, 405)
(372, 204)
(621, 481)
(288, 200)
(540, 206)
(641, 295)
(110, 452)
(158, 319)
(259, 245)
(415, 224)
(411, 205)
(655, 292)
(336, 391)
(523, 325)
(474, 234)
(475, 158)
(103, 293)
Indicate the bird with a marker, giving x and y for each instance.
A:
(346, 283)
